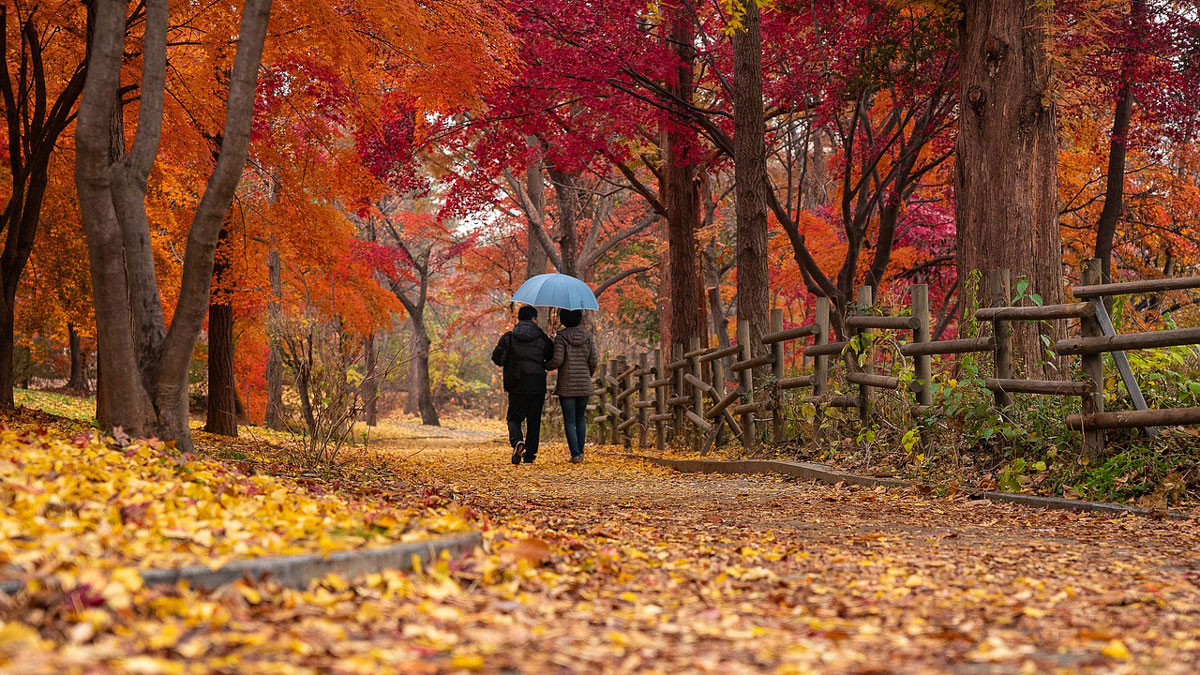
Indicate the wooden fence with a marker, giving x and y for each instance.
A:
(705, 394)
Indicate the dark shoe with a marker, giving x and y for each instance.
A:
(577, 459)
(518, 452)
(527, 461)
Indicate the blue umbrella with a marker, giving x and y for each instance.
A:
(556, 290)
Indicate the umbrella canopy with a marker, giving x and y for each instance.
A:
(556, 290)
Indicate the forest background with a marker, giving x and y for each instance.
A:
(695, 162)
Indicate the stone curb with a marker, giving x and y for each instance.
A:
(830, 476)
(296, 571)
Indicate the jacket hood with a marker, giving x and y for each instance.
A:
(576, 336)
(527, 331)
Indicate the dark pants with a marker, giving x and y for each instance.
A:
(525, 408)
(574, 409)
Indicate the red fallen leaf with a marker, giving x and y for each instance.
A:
(533, 551)
(133, 513)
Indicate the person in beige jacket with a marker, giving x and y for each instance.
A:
(575, 359)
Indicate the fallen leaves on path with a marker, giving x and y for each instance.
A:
(617, 566)
(72, 504)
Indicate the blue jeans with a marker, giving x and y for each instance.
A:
(574, 409)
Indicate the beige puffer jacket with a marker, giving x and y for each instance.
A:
(575, 360)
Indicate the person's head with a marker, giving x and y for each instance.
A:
(570, 317)
(526, 313)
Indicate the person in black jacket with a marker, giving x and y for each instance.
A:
(523, 352)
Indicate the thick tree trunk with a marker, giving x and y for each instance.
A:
(222, 390)
(7, 358)
(750, 174)
(370, 383)
(424, 392)
(275, 415)
(538, 261)
(1007, 205)
(146, 368)
(412, 402)
(680, 195)
(77, 379)
(566, 195)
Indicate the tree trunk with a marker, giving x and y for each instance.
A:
(1114, 189)
(535, 187)
(146, 368)
(815, 190)
(1007, 204)
(34, 125)
(7, 358)
(370, 383)
(680, 196)
(77, 380)
(429, 415)
(750, 174)
(412, 402)
(222, 391)
(275, 414)
(566, 194)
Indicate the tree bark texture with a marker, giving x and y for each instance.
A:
(77, 380)
(420, 370)
(145, 362)
(680, 194)
(750, 175)
(535, 187)
(1007, 204)
(7, 357)
(275, 418)
(370, 383)
(566, 196)
(222, 390)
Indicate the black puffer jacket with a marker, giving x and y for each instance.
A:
(523, 352)
(575, 359)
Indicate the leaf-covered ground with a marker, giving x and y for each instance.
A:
(616, 566)
(73, 506)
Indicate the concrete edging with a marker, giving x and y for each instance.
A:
(830, 476)
(296, 571)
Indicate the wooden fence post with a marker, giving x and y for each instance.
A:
(922, 364)
(747, 377)
(676, 392)
(777, 372)
(614, 412)
(821, 363)
(1002, 332)
(865, 295)
(660, 402)
(697, 393)
(643, 399)
(1093, 369)
(717, 366)
(601, 417)
(625, 403)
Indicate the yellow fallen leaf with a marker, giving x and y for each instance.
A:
(1116, 650)
(467, 662)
